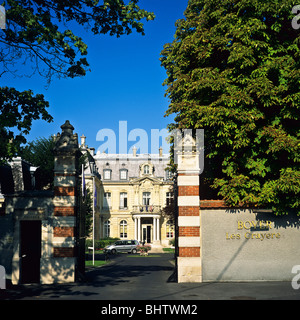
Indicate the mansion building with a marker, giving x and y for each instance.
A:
(131, 192)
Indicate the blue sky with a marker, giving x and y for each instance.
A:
(125, 82)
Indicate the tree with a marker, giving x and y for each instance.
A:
(86, 210)
(37, 35)
(36, 32)
(233, 69)
(17, 111)
(40, 154)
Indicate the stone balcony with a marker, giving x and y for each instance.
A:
(142, 209)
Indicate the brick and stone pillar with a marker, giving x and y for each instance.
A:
(66, 155)
(189, 237)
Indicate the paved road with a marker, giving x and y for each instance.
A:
(131, 277)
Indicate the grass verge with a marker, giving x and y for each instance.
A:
(98, 263)
(169, 250)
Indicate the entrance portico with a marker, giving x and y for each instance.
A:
(145, 231)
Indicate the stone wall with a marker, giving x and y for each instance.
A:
(248, 245)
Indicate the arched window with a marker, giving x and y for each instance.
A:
(123, 229)
(170, 229)
(146, 169)
(106, 229)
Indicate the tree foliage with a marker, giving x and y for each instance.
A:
(233, 69)
(86, 208)
(17, 111)
(40, 154)
(39, 39)
(38, 31)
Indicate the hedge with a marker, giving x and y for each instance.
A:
(100, 244)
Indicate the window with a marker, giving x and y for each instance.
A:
(170, 229)
(146, 169)
(169, 198)
(107, 174)
(106, 229)
(123, 200)
(146, 198)
(123, 229)
(123, 174)
(107, 200)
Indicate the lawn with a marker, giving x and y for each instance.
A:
(169, 250)
(96, 251)
(98, 263)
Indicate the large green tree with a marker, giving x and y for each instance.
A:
(233, 69)
(39, 36)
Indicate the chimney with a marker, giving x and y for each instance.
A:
(160, 152)
(82, 138)
(134, 151)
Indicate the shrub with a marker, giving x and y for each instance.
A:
(99, 244)
(172, 242)
(143, 248)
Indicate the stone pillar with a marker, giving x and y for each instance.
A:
(65, 251)
(154, 229)
(139, 229)
(189, 244)
(135, 228)
(157, 229)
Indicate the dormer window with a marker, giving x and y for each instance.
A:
(107, 174)
(123, 174)
(146, 169)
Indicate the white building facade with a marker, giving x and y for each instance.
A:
(131, 195)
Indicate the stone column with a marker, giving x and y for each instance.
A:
(189, 244)
(135, 229)
(139, 229)
(154, 229)
(157, 229)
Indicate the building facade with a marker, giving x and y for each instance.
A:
(132, 192)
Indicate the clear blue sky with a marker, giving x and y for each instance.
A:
(125, 82)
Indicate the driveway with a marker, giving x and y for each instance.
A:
(132, 277)
(126, 277)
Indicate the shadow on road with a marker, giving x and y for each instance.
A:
(120, 271)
